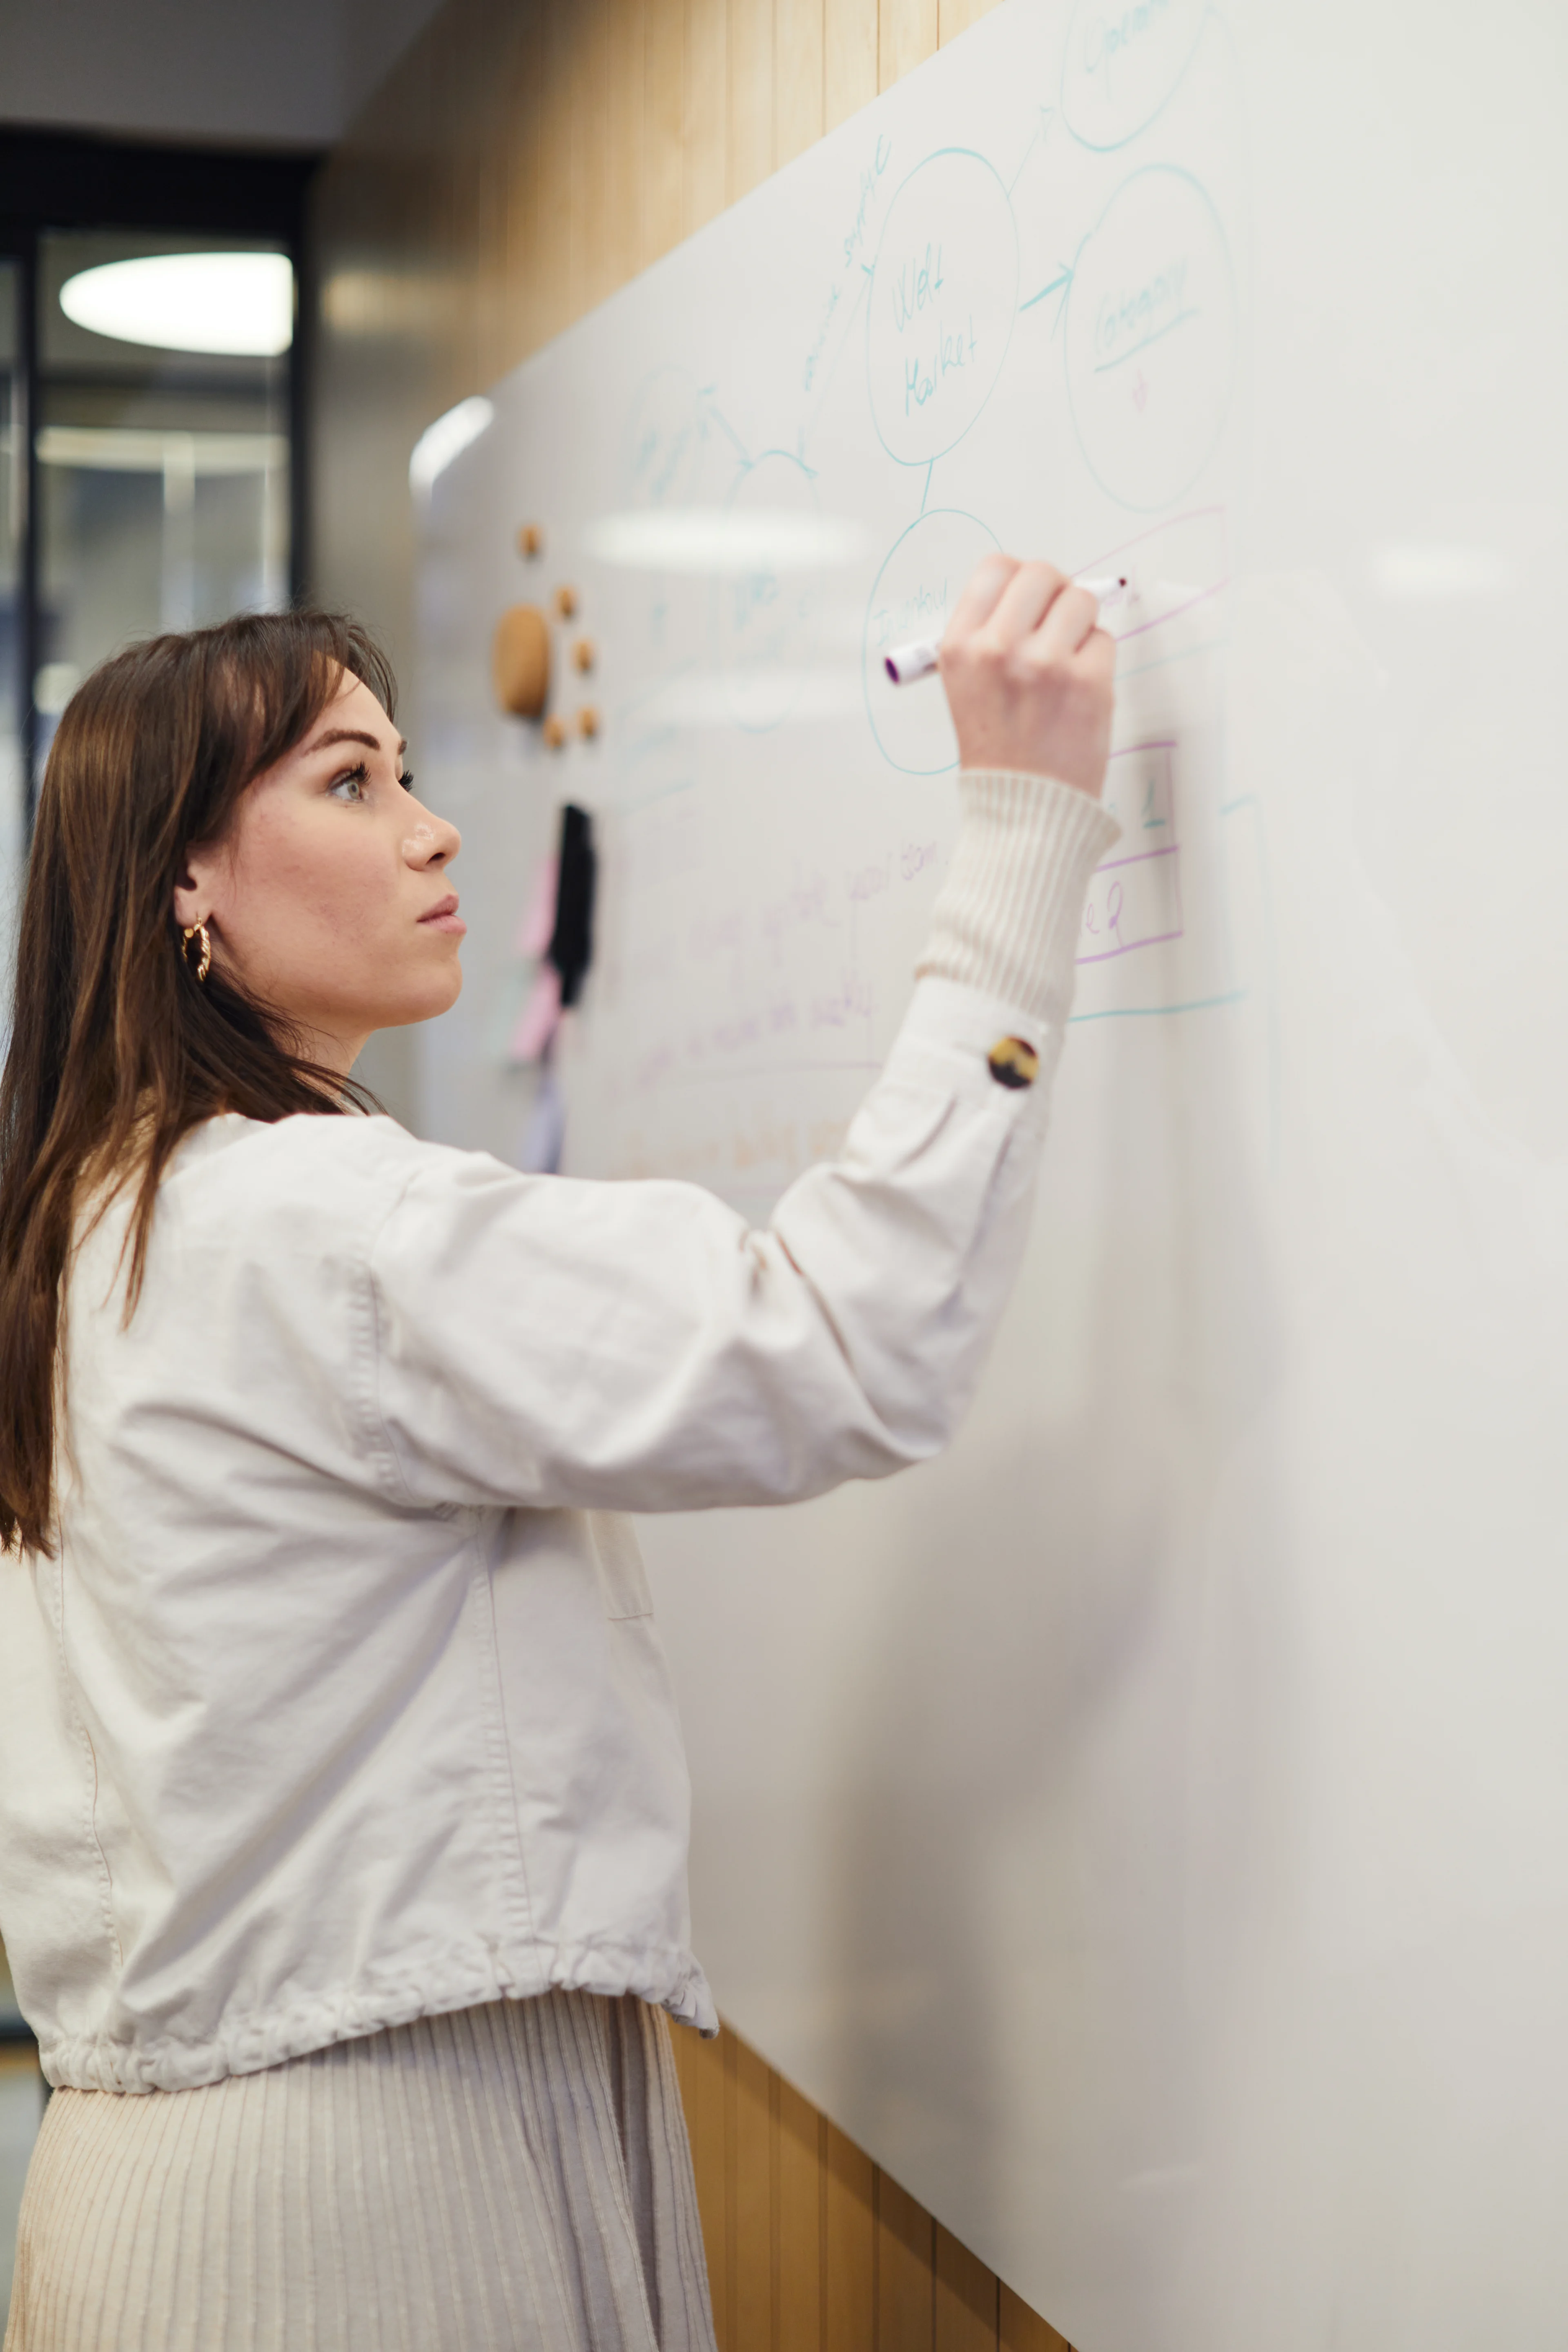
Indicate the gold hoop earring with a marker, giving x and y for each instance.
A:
(203, 964)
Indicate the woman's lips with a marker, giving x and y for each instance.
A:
(443, 917)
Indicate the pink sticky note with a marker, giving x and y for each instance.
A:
(537, 921)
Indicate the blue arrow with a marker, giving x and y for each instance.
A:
(1055, 286)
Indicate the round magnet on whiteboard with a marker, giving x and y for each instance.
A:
(1012, 1063)
(583, 654)
(554, 732)
(565, 603)
(520, 660)
(587, 722)
(530, 539)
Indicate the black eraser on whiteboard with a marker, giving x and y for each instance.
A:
(571, 948)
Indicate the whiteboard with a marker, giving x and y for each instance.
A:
(1146, 1830)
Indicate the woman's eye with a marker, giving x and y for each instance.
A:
(350, 786)
(407, 780)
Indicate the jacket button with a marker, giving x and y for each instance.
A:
(1012, 1063)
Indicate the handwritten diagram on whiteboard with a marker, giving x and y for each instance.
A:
(993, 316)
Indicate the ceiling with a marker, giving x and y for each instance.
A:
(275, 73)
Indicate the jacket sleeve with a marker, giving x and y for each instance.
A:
(544, 1341)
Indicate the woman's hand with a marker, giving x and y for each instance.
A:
(1028, 674)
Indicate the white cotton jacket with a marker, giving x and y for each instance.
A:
(343, 1702)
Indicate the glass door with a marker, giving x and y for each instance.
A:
(21, 2084)
(161, 443)
(12, 618)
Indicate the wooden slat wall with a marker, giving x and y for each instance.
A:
(811, 2247)
(524, 160)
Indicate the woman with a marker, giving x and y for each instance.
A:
(342, 1806)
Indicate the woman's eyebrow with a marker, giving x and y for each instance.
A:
(354, 735)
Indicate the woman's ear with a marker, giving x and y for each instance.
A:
(194, 887)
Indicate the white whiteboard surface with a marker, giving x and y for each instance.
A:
(1146, 1830)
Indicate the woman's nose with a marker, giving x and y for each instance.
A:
(431, 840)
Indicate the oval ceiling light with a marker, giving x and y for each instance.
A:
(238, 304)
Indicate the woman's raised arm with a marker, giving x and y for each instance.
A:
(638, 1346)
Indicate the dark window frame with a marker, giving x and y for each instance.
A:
(56, 180)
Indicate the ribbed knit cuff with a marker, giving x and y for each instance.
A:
(1007, 916)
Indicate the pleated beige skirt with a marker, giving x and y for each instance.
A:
(514, 2176)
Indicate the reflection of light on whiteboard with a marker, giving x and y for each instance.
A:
(445, 439)
(1423, 574)
(723, 539)
(756, 699)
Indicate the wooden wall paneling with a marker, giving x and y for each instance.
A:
(955, 17)
(435, 237)
(460, 169)
(430, 238)
(520, 184)
(906, 37)
(462, 173)
(1020, 2329)
(849, 48)
(849, 2246)
(966, 2298)
(800, 2195)
(586, 70)
(606, 70)
(517, 178)
(625, 83)
(664, 127)
(798, 28)
(703, 2069)
(552, 257)
(751, 72)
(578, 104)
(483, 210)
(754, 2242)
(706, 115)
(906, 2302)
(492, 163)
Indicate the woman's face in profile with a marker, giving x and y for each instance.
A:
(329, 900)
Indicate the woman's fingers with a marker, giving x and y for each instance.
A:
(1011, 601)
(1069, 623)
(981, 592)
(1024, 604)
(1029, 675)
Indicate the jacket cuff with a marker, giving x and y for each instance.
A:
(1007, 916)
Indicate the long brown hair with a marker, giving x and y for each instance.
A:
(117, 1050)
